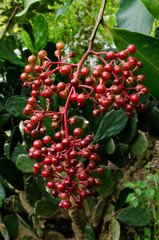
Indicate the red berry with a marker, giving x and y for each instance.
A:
(65, 70)
(111, 55)
(37, 144)
(81, 98)
(84, 71)
(77, 132)
(131, 48)
(100, 88)
(42, 54)
(134, 98)
(60, 45)
(47, 139)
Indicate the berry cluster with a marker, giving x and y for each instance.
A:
(58, 157)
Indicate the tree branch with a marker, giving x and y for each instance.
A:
(10, 20)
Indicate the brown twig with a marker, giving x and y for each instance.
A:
(10, 20)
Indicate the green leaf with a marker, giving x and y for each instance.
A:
(87, 113)
(139, 146)
(2, 191)
(129, 197)
(24, 163)
(133, 16)
(89, 232)
(27, 4)
(11, 174)
(15, 105)
(30, 189)
(121, 200)
(147, 52)
(136, 217)
(45, 208)
(63, 9)
(111, 125)
(135, 202)
(138, 191)
(40, 30)
(19, 149)
(108, 213)
(120, 156)
(115, 230)
(4, 119)
(7, 54)
(110, 146)
(11, 223)
(27, 41)
(128, 133)
(14, 138)
(152, 6)
(107, 187)
(147, 232)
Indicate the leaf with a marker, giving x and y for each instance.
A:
(129, 132)
(135, 202)
(139, 146)
(106, 189)
(4, 119)
(14, 138)
(129, 197)
(11, 174)
(63, 9)
(94, 122)
(133, 16)
(136, 217)
(152, 6)
(27, 41)
(89, 232)
(40, 30)
(32, 198)
(110, 146)
(11, 223)
(7, 54)
(45, 208)
(111, 125)
(19, 149)
(27, 4)
(15, 105)
(121, 200)
(120, 156)
(115, 230)
(108, 213)
(25, 164)
(147, 52)
(2, 191)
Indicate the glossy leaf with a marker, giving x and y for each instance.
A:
(45, 208)
(112, 124)
(136, 217)
(152, 6)
(133, 16)
(89, 232)
(27, 4)
(27, 41)
(40, 30)
(11, 223)
(25, 164)
(147, 52)
(139, 146)
(107, 187)
(11, 174)
(63, 9)
(7, 54)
